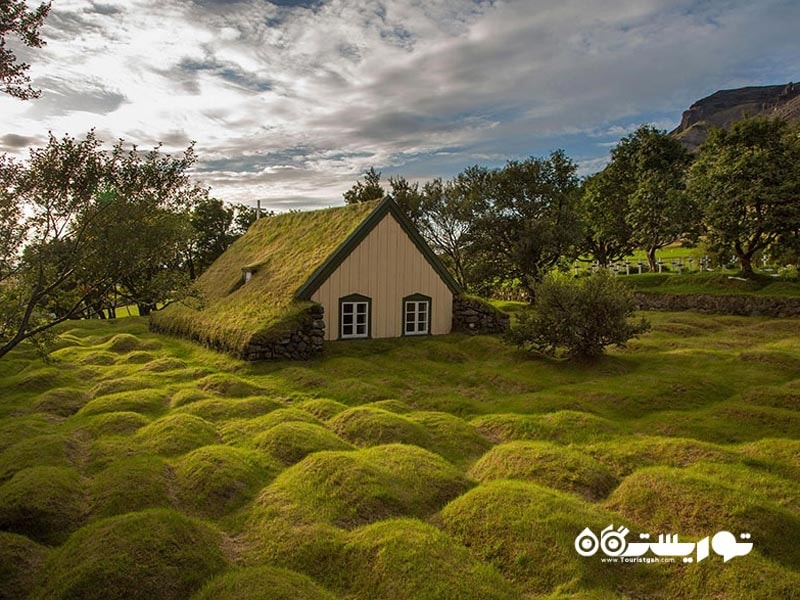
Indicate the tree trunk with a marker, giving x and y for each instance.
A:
(145, 309)
(747, 264)
(651, 259)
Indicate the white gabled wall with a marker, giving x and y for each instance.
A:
(386, 266)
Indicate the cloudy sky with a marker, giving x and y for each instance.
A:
(290, 101)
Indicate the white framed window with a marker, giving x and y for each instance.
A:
(416, 315)
(354, 317)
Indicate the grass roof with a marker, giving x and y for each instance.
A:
(282, 252)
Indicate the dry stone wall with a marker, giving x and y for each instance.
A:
(754, 306)
(303, 343)
(471, 315)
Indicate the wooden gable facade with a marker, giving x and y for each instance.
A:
(383, 281)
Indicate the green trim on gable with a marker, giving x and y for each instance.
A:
(386, 206)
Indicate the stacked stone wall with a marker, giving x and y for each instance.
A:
(303, 343)
(472, 315)
(766, 306)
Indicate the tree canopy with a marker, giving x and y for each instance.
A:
(23, 23)
(748, 180)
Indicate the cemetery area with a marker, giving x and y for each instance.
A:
(136, 465)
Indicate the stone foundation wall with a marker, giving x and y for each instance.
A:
(754, 306)
(471, 315)
(303, 343)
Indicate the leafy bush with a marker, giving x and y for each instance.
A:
(579, 317)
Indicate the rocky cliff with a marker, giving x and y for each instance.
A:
(722, 108)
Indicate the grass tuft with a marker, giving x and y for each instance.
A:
(61, 402)
(292, 441)
(366, 426)
(21, 561)
(130, 485)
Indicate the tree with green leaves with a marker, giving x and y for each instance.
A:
(366, 191)
(17, 19)
(607, 234)
(646, 180)
(528, 222)
(747, 179)
(83, 223)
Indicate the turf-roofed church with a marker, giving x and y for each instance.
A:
(295, 280)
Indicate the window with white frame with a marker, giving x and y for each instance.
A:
(416, 315)
(354, 317)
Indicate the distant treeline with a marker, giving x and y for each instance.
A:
(739, 196)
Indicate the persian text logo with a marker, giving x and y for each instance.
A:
(613, 544)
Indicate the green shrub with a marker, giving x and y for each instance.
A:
(214, 480)
(151, 555)
(263, 583)
(547, 464)
(43, 503)
(405, 558)
(292, 441)
(578, 317)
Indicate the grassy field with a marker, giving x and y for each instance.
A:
(140, 466)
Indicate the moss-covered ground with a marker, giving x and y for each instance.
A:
(136, 465)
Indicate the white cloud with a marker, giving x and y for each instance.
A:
(294, 102)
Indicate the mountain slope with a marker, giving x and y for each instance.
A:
(722, 108)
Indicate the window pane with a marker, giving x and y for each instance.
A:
(361, 329)
(347, 330)
(361, 308)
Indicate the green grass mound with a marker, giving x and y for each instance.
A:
(528, 532)
(623, 456)
(99, 358)
(727, 423)
(17, 429)
(405, 558)
(175, 434)
(743, 578)
(451, 437)
(20, 562)
(43, 503)
(778, 454)
(291, 442)
(112, 423)
(775, 397)
(61, 402)
(162, 365)
(229, 386)
(123, 343)
(395, 406)
(358, 487)
(773, 359)
(323, 408)
(115, 384)
(277, 537)
(152, 555)
(365, 426)
(138, 357)
(39, 379)
(146, 401)
(687, 501)
(130, 485)
(547, 464)
(188, 395)
(263, 583)
(215, 409)
(238, 431)
(215, 480)
(40, 451)
(566, 426)
(758, 481)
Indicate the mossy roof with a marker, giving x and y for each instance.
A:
(283, 252)
(290, 256)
